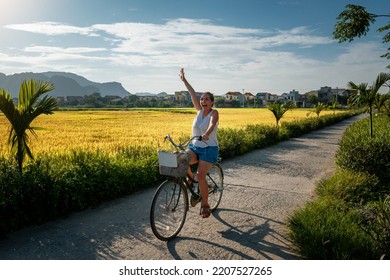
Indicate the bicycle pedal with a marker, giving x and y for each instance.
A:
(194, 201)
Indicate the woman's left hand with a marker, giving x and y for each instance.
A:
(205, 137)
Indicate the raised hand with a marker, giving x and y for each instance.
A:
(182, 77)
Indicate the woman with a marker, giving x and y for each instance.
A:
(204, 151)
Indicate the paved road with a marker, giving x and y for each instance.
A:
(262, 188)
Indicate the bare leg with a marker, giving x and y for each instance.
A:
(203, 168)
(193, 160)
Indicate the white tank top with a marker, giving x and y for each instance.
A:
(200, 126)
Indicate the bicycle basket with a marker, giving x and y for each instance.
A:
(173, 164)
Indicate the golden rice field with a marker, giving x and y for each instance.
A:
(111, 130)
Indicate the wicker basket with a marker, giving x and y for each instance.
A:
(173, 164)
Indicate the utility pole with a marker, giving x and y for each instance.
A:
(244, 98)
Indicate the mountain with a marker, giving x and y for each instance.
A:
(66, 84)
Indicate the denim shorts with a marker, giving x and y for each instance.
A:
(209, 153)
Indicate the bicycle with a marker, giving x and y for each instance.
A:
(170, 202)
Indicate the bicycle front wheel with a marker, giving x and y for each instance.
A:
(215, 182)
(169, 210)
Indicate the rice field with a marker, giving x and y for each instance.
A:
(111, 130)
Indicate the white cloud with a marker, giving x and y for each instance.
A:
(197, 42)
(360, 53)
(47, 49)
(147, 57)
(51, 28)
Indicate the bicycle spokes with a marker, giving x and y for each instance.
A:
(169, 210)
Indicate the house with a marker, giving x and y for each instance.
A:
(163, 96)
(263, 95)
(250, 99)
(249, 96)
(298, 99)
(341, 95)
(235, 96)
(60, 99)
(170, 97)
(148, 97)
(183, 97)
(325, 94)
(293, 96)
(73, 98)
(263, 98)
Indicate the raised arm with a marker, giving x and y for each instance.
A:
(194, 99)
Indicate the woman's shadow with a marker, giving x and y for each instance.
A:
(248, 236)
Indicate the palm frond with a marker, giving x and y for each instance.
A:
(26, 148)
(30, 91)
(279, 109)
(381, 80)
(32, 131)
(22, 115)
(46, 106)
(13, 141)
(6, 104)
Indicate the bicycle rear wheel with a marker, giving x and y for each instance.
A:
(215, 182)
(169, 210)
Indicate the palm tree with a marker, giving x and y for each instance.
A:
(387, 105)
(21, 116)
(319, 108)
(367, 96)
(380, 101)
(334, 105)
(278, 109)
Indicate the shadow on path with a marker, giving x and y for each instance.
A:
(255, 237)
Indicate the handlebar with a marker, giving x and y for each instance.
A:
(181, 146)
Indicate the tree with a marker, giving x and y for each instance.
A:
(387, 105)
(278, 109)
(380, 101)
(95, 100)
(367, 96)
(355, 21)
(319, 108)
(312, 98)
(334, 105)
(21, 115)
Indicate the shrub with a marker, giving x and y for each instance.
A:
(9, 195)
(351, 187)
(327, 229)
(359, 152)
(233, 142)
(298, 128)
(52, 187)
(376, 223)
(229, 142)
(261, 136)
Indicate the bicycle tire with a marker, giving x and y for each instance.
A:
(168, 210)
(215, 182)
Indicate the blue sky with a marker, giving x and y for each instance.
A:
(246, 45)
